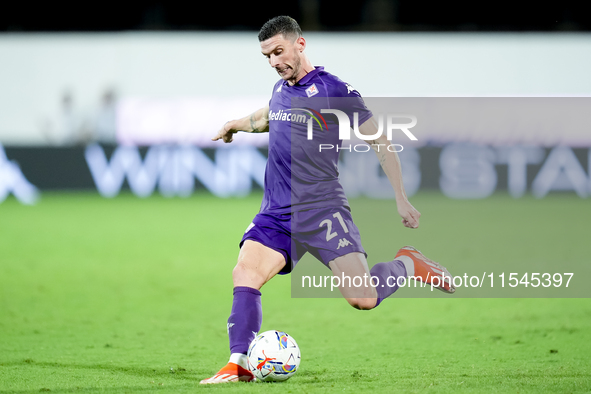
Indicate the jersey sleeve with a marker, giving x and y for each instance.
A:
(353, 102)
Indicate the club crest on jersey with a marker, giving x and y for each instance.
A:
(312, 90)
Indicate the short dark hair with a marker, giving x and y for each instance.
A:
(280, 25)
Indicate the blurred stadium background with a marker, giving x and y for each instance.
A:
(165, 74)
(103, 104)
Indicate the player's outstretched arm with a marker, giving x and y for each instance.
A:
(257, 122)
(391, 165)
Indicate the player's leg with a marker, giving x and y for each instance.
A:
(331, 236)
(256, 265)
(346, 269)
(387, 277)
(340, 248)
(363, 288)
(263, 254)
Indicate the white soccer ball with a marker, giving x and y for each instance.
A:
(273, 356)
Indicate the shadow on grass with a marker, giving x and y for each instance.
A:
(155, 376)
(160, 379)
(175, 373)
(94, 389)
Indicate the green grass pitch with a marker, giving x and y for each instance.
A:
(132, 295)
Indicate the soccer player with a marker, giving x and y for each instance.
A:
(304, 208)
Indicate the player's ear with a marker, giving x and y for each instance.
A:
(301, 43)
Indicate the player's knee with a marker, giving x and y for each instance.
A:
(244, 274)
(363, 304)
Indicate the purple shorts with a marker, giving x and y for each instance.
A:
(327, 233)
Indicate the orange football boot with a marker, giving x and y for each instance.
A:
(230, 373)
(425, 270)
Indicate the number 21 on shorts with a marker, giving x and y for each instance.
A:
(328, 223)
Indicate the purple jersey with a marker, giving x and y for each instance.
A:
(298, 176)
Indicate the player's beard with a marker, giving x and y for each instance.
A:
(295, 70)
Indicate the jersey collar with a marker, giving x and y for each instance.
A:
(310, 75)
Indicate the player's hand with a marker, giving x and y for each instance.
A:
(226, 133)
(410, 216)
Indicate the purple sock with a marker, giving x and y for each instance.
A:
(383, 271)
(246, 318)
